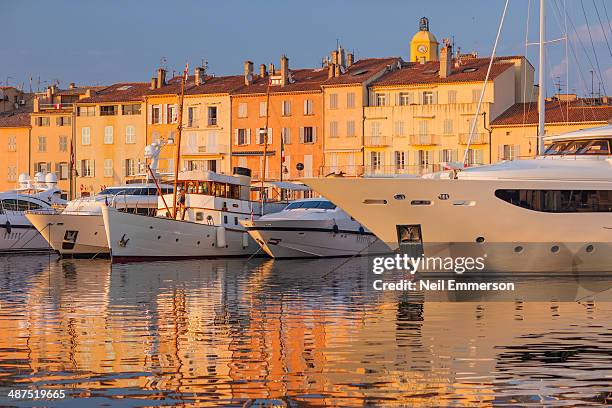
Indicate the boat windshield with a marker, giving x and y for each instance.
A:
(135, 191)
(321, 205)
(579, 147)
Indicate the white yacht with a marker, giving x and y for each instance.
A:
(17, 234)
(207, 222)
(312, 228)
(548, 214)
(78, 229)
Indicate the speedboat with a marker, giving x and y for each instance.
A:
(549, 214)
(204, 224)
(78, 230)
(312, 228)
(17, 234)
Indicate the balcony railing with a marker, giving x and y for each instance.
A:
(378, 141)
(55, 106)
(477, 138)
(371, 170)
(426, 139)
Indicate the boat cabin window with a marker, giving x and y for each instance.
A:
(135, 191)
(211, 188)
(579, 147)
(559, 201)
(321, 205)
(11, 204)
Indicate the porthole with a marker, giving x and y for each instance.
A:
(159, 237)
(198, 242)
(590, 248)
(480, 240)
(150, 227)
(554, 249)
(518, 249)
(399, 197)
(176, 240)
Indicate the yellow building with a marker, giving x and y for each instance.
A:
(14, 146)
(514, 132)
(110, 136)
(345, 94)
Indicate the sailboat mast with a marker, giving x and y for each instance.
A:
(265, 152)
(179, 128)
(542, 81)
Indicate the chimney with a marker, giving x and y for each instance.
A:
(446, 54)
(330, 70)
(349, 59)
(262, 70)
(199, 75)
(284, 67)
(248, 72)
(153, 83)
(161, 77)
(271, 69)
(72, 85)
(36, 104)
(335, 57)
(337, 70)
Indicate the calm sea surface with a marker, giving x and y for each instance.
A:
(301, 333)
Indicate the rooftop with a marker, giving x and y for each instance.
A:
(16, 118)
(361, 71)
(211, 85)
(556, 112)
(300, 80)
(120, 92)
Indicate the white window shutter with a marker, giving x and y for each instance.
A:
(301, 134)
(248, 136)
(420, 98)
(124, 167)
(435, 98)
(175, 113)
(314, 134)
(269, 135)
(93, 168)
(149, 114)
(397, 98)
(517, 151)
(236, 137)
(164, 109)
(305, 106)
(500, 152)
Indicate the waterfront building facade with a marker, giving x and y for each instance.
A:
(15, 130)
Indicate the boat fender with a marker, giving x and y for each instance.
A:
(361, 230)
(7, 226)
(221, 241)
(245, 240)
(335, 228)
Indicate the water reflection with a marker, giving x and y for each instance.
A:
(225, 332)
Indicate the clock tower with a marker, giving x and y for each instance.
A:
(423, 46)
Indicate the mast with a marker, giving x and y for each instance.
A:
(179, 128)
(542, 82)
(265, 152)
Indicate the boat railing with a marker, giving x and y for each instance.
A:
(359, 171)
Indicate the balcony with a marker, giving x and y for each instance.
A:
(477, 138)
(378, 141)
(426, 139)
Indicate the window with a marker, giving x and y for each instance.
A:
(286, 108)
(191, 114)
(405, 98)
(262, 109)
(579, 147)
(376, 160)
(333, 101)
(242, 137)
(452, 96)
(398, 128)
(399, 160)
(130, 134)
(172, 112)
(43, 121)
(12, 143)
(42, 143)
(350, 128)
(333, 129)
(559, 201)
(375, 129)
(308, 107)
(350, 100)
(423, 128)
(448, 155)
(86, 111)
(423, 158)
(261, 133)
(85, 136)
(87, 168)
(242, 110)
(12, 173)
(448, 126)
(42, 167)
(62, 170)
(131, 109)
(108, 167)
(156, 114)
(63, 143)
(509, 152)
(108, 110)
(380, 99)
(286, 135)
(212, 116)
(155, 136)
(130, 167)
(308, 134)
(475, 156)
(108, 135)
(428, 98)
(475, 95)
(63, 121)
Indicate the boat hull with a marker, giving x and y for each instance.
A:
(21, 239)
(72, 234)
(140, 237)
(312, 239)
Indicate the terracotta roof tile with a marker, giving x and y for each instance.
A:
(211, 85)
(304, 79)
(471, 70)
(121, 92)
(16, 118)
(556, 112)
(361, 71)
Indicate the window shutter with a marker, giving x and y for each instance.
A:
(420, 98)
(435, 98)
(500, 152)
(314, 134)
(269, 135)
(175, 113)
(124, 166)
(248, 136)
(518, 151)
(397, 99)
(306, 107)
(301, 134)
(149, 114)
(372, 101)
(236, 137)
(164, 113)
(93, 168)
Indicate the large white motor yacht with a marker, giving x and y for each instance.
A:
(78, 229)
(548, 214)
(312, 228)
(17, 234)
(207, 222)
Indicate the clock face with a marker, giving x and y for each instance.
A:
(422, 48)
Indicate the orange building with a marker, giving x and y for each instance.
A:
(294, 117)
(15, 131)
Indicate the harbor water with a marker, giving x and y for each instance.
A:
(293, 333)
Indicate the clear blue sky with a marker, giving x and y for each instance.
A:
(111, 41)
